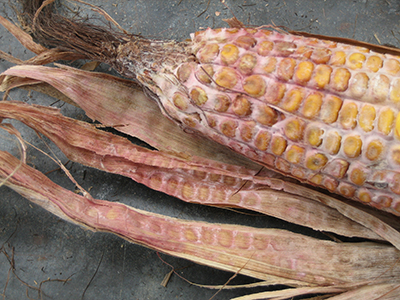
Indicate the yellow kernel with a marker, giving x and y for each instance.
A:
(278, 145)
(397, 127)
(374, 63)
(322, 75)
(366, 117)
(275, 92)
(303, 72)
(232, 30)
(228, 128)
(358, 176)
(330, 109)
(226, 78)
(338, 58)
(294, 154)
(198, 95)
(262, 140)
(385, 120)
(348, 115)
(286, 68)
(294, 129)
(340, 79)
(395, 91)
(285, 48)
(313, 135)
(321, 55)
(332, 142)
(316, 161)
(246, 131)
(266, 115)
(264, 48)
(180, 101)
(359, 85)
(355, 61)
(229, 54)
(380, 87)
(392, 66)
(222, 103)
(254, 85)
(364, 196)
(352, 146)
(292, 100)
(208, 53)
(270, 65)
(205, 74)
(337, 168)
(312, 105)
(246, 63)
(246, 42)
(374, 150)
(241, 106)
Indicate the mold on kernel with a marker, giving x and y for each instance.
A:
(313, 135)
(228, 128)
(359, 85)
(275, 92)
(332, 142)
(312, 105)
(286, 69)
(303, 72)
(330, 109)
(285, 48)
(262, 140)
(340, 79)
(380, 85)
(292, 100)
(366, 117)
(265, 47)
(322, 76)
(385, 120)
(198, 95)
(246, 131)
(316, 161)
(348, 115)
(278, 145)
(266, 115)
(337, 168)
(392, 66)
(247, 63)
(352, 146)
(241, 106)
(374, 150)
(321, 55)
(254, 86)
(208, 53)
(229, 54)
(226, 78)
(294, 128)
(294, 154)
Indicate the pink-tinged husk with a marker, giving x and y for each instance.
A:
(259, 253)
(197, 180)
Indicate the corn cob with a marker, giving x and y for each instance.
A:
(323, 112)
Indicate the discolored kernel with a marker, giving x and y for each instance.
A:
(228, 128)
(208, 53)
(245, 42)
(374, 63)
(222, 102)
(247, 63)
(338, 58)
(198, 95)
(226, 78)
(366, 117)
(397, 127)
(346, 189)
(285, 48)
(356, 60)
(395, 154)
(282, 165)
(374, 150)
(385, 120)
(254, 85)
(246, 131)
(359, 85)
(316, 179)
(340, 79)
(330, 109)
(321, 55)
(316, 161)
(332, 142)
(380, 85)
(358, 175)
(286, 68)
(352, 146)
(265, 47)
(395, 183)
(312, 105)
(266, 115)
(392, 66)
(241, 106)
(364, 195)
(184, 72)
(180, 101)
(292, 100)
(384, 201)
(229, 54)
(337, 168)
(294, 128)
(313, 135)
(262, 140)
(394, 95)
(278, 145)
(275, 92)
(294, 154)
(322, 75)
(330, 183)
(270, 65)
(348, 115)
(299, 172)
(205, 74)
(303, 72)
